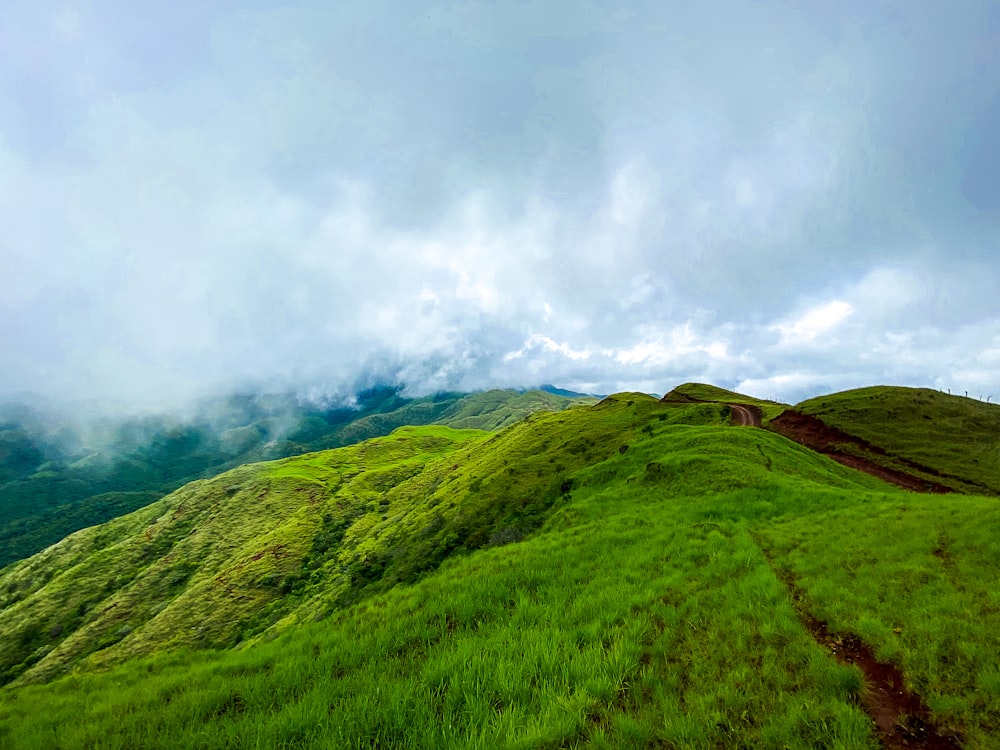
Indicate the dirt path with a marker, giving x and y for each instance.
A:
(745, 416)
(815, 434)
(902, 720)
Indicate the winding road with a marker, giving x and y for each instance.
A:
(745, 416)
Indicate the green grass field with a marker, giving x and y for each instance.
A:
(611, 576)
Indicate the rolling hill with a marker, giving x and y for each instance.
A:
(947, 439)
(53, 482)
(630, 573)
(703, 393)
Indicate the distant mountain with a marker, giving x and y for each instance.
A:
(549, 388)
(55, 479)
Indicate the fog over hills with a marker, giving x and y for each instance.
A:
(61, 471)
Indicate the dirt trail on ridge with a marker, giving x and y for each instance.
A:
(745, 416)
(844, 448)
(901, 719)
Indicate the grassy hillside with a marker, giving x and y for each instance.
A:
(949, 439)
(628, 574)
(496, 409)
(219, 561)
(702, 392)
(51, 486)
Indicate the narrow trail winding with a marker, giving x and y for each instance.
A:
(900, 718)
(745, 416)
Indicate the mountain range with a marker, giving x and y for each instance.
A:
(520, 569)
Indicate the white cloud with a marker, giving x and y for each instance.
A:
(660, 349)
(814, 322)
(538, 341)
(316, 197)
(889, 294)
(631, 193)
(67, 23)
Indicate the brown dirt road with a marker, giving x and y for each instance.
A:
(745, 416)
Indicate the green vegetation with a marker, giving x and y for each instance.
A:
(51, 485)
(701, 392)
(915, 577)
(268, 544)
(25, 535)
(496, 409)
(952, 440)
(613, 575)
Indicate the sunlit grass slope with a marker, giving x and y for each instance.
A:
(496, 409)
(610, 576)
(222, 560)
(483, 410)
(958, 438)
(44, 497)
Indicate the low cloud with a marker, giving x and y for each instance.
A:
(465, 196)
(814, 322)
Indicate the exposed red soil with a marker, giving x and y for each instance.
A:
(813, 433)
(902, 720)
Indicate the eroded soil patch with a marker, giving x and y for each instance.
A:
(813, 433)
(901, 717)
(902, 720)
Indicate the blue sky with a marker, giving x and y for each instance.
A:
(786, 198)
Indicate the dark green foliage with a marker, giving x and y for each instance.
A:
(20, 456)
(24, 536)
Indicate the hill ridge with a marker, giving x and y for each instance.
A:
(611, 575)
(48, 491)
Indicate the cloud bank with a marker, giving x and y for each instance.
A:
(777, 197)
